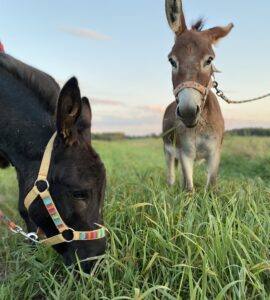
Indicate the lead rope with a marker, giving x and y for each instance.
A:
(32, 236)
(220, 94)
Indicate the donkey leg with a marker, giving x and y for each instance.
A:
(187, 162)
(170, 167)
(213, 161)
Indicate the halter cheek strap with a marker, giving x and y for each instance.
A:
(66, 233)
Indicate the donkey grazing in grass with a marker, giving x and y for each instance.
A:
(193, 126)
(61, 189)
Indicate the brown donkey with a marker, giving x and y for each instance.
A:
(193, 125)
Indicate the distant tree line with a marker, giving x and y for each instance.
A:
(148, 136)
(250, 132)
(118, 136)
(109, 136)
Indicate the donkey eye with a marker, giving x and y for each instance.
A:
(209, 61)
(80, 195)
(173, 62)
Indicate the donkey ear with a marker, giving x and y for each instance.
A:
(175, 16)
(217, 33)
(69, 108)
(83, 123)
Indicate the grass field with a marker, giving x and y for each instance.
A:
(163, 243)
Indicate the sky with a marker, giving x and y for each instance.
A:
(118, 51)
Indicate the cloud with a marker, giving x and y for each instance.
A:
(86, 33)
(139, 125)
(231, 123)
(106, 102)
(153, 108)
(133, 120)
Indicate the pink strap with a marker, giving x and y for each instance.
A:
(193, 85)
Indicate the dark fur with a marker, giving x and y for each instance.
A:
(33, 79)
(28, 119)
(199, 25)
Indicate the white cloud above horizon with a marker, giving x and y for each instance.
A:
(143, 120)
(98, 101)
(86, 33)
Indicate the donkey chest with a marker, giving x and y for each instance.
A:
(204, 145)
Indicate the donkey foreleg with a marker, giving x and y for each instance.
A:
(213, 162)
(187, 162)
(170, 165)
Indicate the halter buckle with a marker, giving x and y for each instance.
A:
(42, 185)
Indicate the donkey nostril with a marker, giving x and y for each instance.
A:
(198, 110)
(178, 111)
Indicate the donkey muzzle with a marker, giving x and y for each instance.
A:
(191, 97)
(189, 107)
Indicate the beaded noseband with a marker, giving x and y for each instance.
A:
(194, 85)
(41, 189)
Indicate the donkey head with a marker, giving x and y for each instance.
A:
(76, 177)
(191, 59)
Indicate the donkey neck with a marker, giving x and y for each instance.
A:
(212, 113)
(26, 126)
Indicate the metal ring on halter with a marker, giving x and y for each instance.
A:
(66, 230)
(215, 84)
(32, 236)
(42, 181)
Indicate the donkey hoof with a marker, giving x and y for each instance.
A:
(189, 190)
(170, 182)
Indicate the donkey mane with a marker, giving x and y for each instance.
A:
(40, 83)
(198, 25)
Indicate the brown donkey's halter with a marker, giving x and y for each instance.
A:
(205, 90)
(41, 190)
(191, 85)
(194, 85)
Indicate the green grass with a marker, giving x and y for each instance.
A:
(163, 243)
